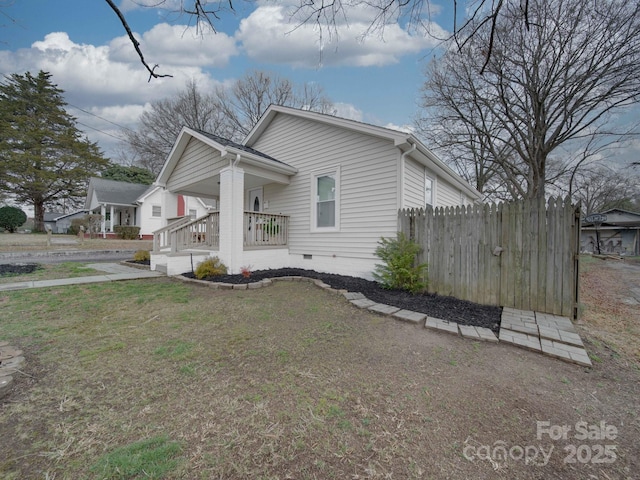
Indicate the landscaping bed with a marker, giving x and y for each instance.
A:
(438, 306)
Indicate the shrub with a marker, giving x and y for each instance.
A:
(142, 256)
(211, 267)
(11, 218)
(246, 271)
(400, 270)
(126, 232)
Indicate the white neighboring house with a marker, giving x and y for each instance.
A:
(149, 207)
(303, 190)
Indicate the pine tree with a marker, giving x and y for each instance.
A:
(44, 158)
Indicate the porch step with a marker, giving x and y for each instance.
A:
(161, 268)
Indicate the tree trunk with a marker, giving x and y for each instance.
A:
(38, 216)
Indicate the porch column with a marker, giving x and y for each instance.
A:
(232, 217)
(103, 222)
(111, 215)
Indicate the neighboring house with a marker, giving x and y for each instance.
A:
(63, 222)
(146, 206)
(50, 221)
(617, 230)
(303, 190)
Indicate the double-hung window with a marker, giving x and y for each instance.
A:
(325, 214)
(428, 190)
(156, 211)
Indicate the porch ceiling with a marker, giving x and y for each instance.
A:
(210, 187)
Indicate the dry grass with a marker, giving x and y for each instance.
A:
(283, 382)
(23, 242)
(610, 291)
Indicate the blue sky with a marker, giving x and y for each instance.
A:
(83, 45)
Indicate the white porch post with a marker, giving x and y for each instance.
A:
(103, 222)
(232, 217)
(111, 215)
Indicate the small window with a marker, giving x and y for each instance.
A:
(193, 213)
(428, 190)
(326, 200)
(156, 211)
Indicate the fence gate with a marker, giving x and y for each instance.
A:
(522, 254)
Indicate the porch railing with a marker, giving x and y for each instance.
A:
(198, 233)
(263, 229)
(260, 230)
(162, 237)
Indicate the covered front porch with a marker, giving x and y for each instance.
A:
(241, 233)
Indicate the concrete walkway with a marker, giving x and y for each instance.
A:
(113, 272)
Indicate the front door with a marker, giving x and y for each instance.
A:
(255, 200)
(255, 205)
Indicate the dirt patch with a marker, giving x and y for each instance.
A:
(445, 308)
(610, 294)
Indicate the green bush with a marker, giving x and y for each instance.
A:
(211, 267)
(11, 218)
(126, 232)
(142, 256)
(400, 270)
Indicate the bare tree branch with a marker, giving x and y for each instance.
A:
(136, 44)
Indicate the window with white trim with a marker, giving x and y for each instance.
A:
(428, 190)
(156, 211)
(325, 215)
(193, 213)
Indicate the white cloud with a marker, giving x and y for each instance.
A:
(401, 128)
(270, 35)
(177, 45)
(348, 111)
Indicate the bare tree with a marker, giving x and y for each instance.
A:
(326, 15)
(602, 188)
(246, 101)
(555, 84)
(227, 112)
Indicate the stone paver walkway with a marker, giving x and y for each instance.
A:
(544, 333)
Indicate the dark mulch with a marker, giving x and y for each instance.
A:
(18, 268)
(140, 262)
(446, 308)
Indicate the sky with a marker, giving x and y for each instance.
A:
(375, 78)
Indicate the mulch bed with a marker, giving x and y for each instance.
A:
(445, 308)
(7, 269)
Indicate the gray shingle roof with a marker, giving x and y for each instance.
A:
(118, 193)
(230, 143)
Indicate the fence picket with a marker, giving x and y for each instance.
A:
(520, 254)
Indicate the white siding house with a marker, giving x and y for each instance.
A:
(149, 207)
(334, 186)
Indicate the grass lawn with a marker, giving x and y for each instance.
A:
(25, 242)
(52, 272)
(160, 379)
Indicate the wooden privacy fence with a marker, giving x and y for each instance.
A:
(522, 255)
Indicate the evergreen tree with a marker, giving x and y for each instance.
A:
(44, 158)
(121, 173)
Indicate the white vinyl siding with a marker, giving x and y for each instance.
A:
(447, 195)
(368, 190)
(198, 162)
(413, 184)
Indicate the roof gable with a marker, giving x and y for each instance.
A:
(112, 192)
(222, 145)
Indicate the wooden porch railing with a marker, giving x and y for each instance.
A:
(198, 233)
(162, 238)
(260, 230)
(263, 229)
